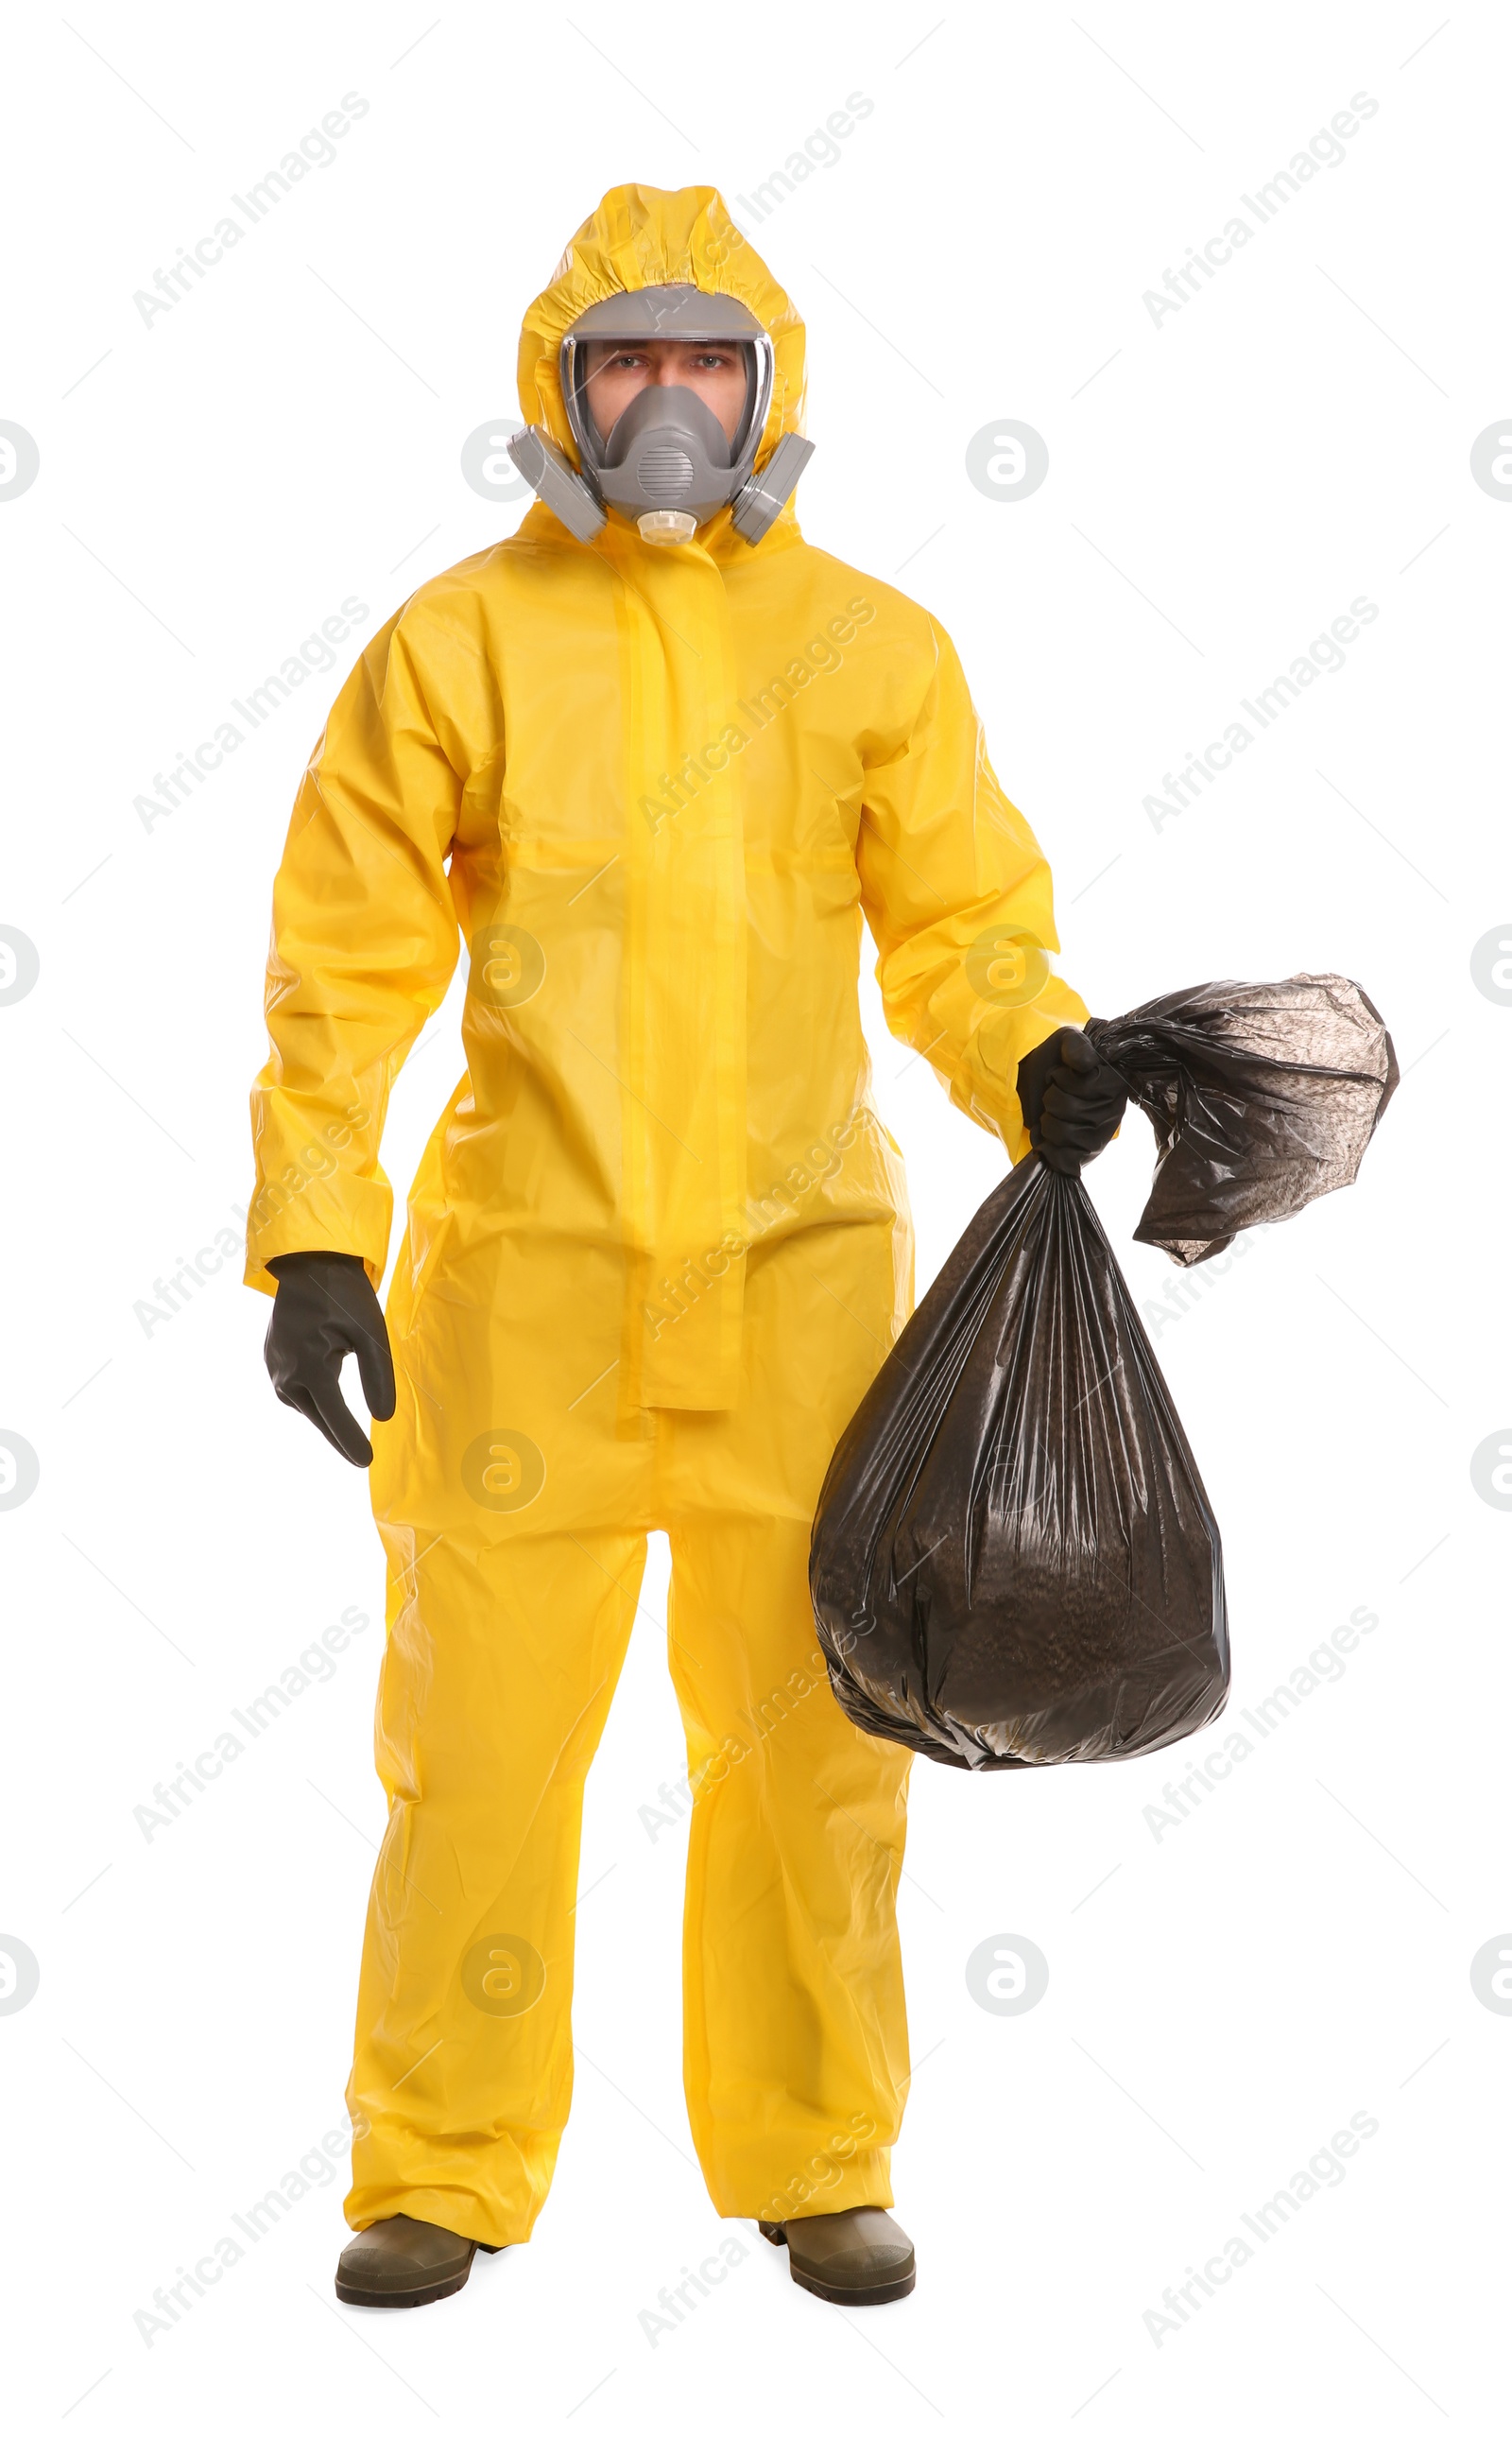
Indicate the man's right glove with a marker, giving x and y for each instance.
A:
(1074, 1100)
(325, 1308)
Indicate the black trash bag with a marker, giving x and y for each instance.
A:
(1014, 1560)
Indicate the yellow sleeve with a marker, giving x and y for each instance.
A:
(958, 895)
(364, 943)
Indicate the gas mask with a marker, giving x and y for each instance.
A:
(666, 466)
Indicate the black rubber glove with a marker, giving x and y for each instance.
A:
(1074, 1100)
(325, 1308)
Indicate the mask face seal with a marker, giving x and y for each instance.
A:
(666, 464)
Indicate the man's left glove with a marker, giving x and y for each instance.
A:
(1074, 1100)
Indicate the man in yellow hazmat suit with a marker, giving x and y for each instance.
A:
(648, 763)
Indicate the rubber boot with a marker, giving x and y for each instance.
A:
(401, 2262)
(856, 2257)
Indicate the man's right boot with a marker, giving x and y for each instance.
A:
(402, 2261)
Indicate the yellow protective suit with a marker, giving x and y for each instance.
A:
(657, 1247)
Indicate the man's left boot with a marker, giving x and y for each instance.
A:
(856, 2257)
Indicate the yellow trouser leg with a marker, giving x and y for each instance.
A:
(500, 1665)
(795, 2046)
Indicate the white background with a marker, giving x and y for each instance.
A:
(1222, 1998)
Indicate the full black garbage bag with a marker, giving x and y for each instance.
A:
(1014, 1559)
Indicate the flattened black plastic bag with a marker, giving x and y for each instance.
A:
(1263, 1097)
(1014, 1559)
